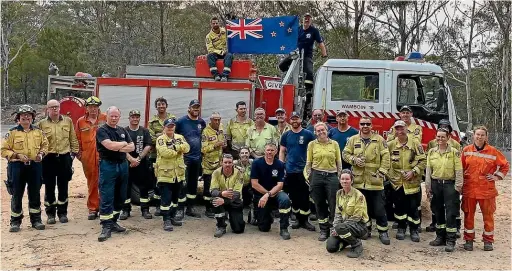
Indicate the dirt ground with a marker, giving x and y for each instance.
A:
(146, 246)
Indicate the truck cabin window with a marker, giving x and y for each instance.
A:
(424, 93)
(355, 86)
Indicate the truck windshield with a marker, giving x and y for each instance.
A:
(423, 90)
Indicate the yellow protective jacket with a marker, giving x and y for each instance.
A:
(377, 163)
(211, 154)
(350, 206)
(245, 170)
(413, 129)
(410, 156)
(221, 182)
(170, 166)
(61, 135)
(156, 129)
(217, 43)
(29, 143)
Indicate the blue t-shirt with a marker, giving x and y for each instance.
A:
(307, 39)
(268, 175)
(296, 149)
(191, 130)
(342, 138)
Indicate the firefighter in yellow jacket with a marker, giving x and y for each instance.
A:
(211, 146)
(351, 216)
(408, 161)
(227, 184)
(24, 147)
(412, 128)
(368, 154)
(216, 44)
(170, 171)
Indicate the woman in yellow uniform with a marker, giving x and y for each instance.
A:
(350, 219)
(170, 171)
(323, 163)
(443, 181)
(244, 165)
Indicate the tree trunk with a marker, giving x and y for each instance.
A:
(468, 73)
(162, 37)
(401, 25)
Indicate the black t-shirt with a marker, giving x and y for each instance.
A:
(307, 39)
(117, 134)
(141, 138)
(268, 175)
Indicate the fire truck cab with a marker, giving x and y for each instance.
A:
(379, 88)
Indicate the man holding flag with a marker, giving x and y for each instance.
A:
(307, 36)
(216, 44)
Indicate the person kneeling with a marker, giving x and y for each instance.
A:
(267, 176)
(350, 218)
(226, 190)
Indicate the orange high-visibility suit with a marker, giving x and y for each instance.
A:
(86, 134)
(477, 164)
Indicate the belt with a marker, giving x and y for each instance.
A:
(113, 161)
(57, 154)
(28, 163)
(444, 181)
(323, 173)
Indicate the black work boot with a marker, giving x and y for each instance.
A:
(439, 241)
(219, 232)
(450, 246)
(168, 225)
(180, 214)
(295, 224)
(356, 250)
(106, 233)
(488, 246)
(124, 215)
(208, 212)
(51, 219)
(384, 238)
(146, 214)
(293, 217)
(457, 234)
(63, 218)
(158, 212)
(308, 226)
(92, 215)
(395, 225)
(191, 211)
(117, 228)
(313, 217)
(37, 224)
(324, 234)
(15, 226)
(285, 235)
(431, 228)
(468, 245)
(400, 234)
(415, 237)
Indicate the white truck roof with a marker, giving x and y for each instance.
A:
(382, 64)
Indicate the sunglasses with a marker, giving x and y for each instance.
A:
(365, 124)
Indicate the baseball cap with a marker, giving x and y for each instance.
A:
(400, 123)
(170, 121)
(215, 115)
(342, 111)
(295, 115)
(405, 107)
(194, 102)
(307, 14)
(134, 112)
(280, 109)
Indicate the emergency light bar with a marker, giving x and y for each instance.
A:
(411, 57)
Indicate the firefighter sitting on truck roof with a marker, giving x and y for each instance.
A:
(216, 44)
(412, 129)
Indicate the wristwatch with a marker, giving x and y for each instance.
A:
(269, 194)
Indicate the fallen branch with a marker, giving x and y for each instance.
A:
(45, 264)
(59, 235)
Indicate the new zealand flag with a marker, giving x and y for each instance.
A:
(275, 35)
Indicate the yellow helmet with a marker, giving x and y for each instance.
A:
(93, 100)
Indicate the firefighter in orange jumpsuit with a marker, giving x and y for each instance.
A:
(86, 127)
(483, 166)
